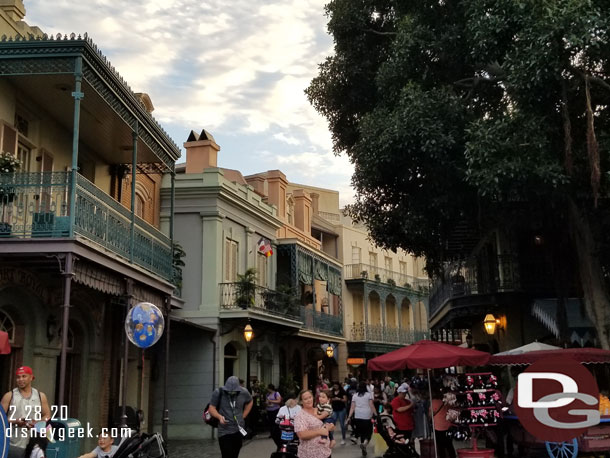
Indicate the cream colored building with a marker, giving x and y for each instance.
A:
(384, 295)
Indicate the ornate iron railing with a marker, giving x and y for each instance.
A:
(386, 334)
(450, 336)
(368, 272)
(475, 276)
(322, 322)
(235, 296)
(37, 204)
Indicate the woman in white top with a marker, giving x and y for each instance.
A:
(288, 410)
(362, 409)
(36, 448)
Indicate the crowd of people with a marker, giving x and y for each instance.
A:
(400, 407)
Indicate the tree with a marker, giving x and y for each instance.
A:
(489, 111)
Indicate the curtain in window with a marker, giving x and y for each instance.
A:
(334, 282)
(305, 268)
(320, 270)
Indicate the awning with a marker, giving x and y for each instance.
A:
(580, 326)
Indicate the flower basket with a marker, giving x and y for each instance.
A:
(8, 162)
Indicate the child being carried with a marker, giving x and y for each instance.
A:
(325, 413)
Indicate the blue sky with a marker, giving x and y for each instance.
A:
(236, 68)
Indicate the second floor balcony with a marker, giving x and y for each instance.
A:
(237, 296)
(389, 277)
(378, 333)
(37, 205)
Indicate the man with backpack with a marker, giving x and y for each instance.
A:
(230, 405)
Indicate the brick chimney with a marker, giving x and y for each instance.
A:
(276, 191)
(201, 152)
(13, 8)
(315, 200)
(258, 183)
(302, 210)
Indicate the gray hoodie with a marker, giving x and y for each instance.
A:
(231, 405)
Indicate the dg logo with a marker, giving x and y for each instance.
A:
(557, 399)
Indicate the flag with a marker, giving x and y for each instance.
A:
(264, 247)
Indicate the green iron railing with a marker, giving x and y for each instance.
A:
(322, 322)
(236, 296)
(36, 204)
(386, 334)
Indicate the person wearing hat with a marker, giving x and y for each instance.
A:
(403, 411)
(24, 406)
(230, 405)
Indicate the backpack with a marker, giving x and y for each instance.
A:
(207, 416)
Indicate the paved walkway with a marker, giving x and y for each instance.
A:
(260, 447)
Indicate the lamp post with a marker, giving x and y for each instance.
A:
(330, 351)
(248, 336)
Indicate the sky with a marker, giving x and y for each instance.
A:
(237, 68)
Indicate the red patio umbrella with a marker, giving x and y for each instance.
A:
(582, 355)
(428, 354)
(5, 346)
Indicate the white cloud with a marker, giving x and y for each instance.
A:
(238, 70)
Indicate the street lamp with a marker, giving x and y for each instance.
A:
(248, 336)
(330, 351)
(490, 324)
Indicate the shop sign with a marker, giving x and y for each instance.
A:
(356, 361)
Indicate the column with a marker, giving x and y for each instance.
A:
(78, 95)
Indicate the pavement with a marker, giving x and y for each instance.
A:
(259, 447)
(262, 447)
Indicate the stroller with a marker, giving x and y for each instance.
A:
(396, 447)
(141, 445)
(289, 441)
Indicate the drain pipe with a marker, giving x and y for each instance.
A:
(214, 341)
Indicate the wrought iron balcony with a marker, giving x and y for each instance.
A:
(321, 322)
(237, 296)
(385, 334)
(368, 272)
(474, 277)
(37, 205)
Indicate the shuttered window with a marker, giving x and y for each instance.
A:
(356, 255)
(231, 247)
(261, 269)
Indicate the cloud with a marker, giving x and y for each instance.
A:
(238, 71)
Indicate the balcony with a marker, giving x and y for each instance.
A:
(334, 218)
(473, 277)
(321, 322)
(234, 296)
(37, 205)
(374, 273)
(377, 333)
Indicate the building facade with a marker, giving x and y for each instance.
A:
(79, 222)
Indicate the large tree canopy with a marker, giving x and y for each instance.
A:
(464, 110)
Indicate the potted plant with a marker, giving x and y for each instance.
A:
(391, 282)
(8, 162)
(178, 264)
(246, 288)
(407, 285)
(377, 278)
(364, 274)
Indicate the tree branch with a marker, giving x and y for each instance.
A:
(376, 32)
(593, 79)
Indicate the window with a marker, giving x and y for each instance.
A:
(388, 263)
(356, 253)
(373, 258)
(231, 260)
(139, 207)
(261, 269)
(23, 155)
(403, 267)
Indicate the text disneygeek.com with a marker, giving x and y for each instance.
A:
(61, 434)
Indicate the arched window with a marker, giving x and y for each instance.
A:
(7, 325)
(140, 204)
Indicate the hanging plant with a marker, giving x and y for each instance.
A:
(8, 162)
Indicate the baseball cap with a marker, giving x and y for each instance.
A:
(24, 370)
(404, 388)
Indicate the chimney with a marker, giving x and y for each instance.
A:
(302, 210)
(13, 8)
(258, 183)
(276, 191)
(201, 152)
(315, 200)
